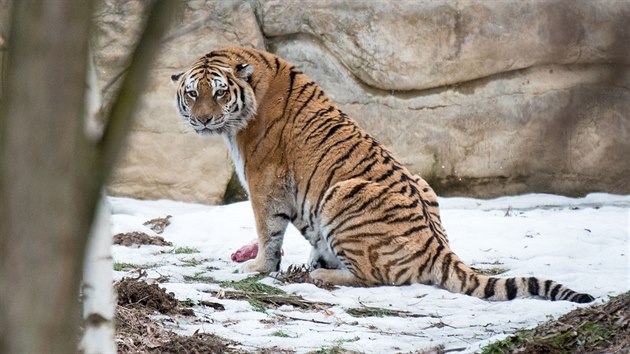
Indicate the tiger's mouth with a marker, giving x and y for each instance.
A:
(212, 127)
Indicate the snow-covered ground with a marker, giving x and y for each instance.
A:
(582, 243)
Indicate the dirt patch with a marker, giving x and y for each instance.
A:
(136, 332)
(197, 343)
(159, 224)
(601, 328)
(139, 238)
(134, 293)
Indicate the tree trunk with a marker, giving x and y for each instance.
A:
(98, 292)
(97, 288)
(51, 174)
(44, 216)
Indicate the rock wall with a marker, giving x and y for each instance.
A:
(165, 159)
(482, 98)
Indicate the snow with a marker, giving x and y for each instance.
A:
(580, 242)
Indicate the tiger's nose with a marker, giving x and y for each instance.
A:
(204, 119)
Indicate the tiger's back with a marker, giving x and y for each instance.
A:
(369, 220)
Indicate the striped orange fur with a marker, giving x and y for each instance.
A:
(303, 161)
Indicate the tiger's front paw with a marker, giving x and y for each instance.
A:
(259, 265)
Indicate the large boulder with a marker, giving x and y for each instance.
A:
(482, 98)
(166, 159)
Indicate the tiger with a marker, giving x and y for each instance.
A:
(302, 160)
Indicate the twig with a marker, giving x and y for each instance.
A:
(274, 300)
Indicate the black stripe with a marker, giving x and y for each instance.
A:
(554, 291)
(446, 265)
(179, 103)
(325, 124)
(367, 168)
(282, 216)
(413, 204)
(314, 119)
(431, 203)
(217, 55)
(330, 133)
(327, 199)
(337, 228)
(295, 69)
(321, 93)
(532, 286)
(488, 292)
(360, 209)
(437, 254)
(547, 286)
(277, 62)
(315, 168)
(241, 92)
(262, 57)
(423, 250)
(386, 218)
(400, 273)
(388, 174)
(304, 87)
(239, 57)
(338, 164)
(318, 114)
(563, 294)
(308, 100)
(355, 190)
(290, 91)
(404, 218)
(461, 274)
(510, 288)
(471, 290)
(396, 250)
(414, 230)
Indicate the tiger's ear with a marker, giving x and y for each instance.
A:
(244, 71)
(175, 77)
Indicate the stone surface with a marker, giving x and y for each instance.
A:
(482, 98)
(412, 45)
(165, 159)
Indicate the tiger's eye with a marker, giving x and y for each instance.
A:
(192, 94)
(219, 93)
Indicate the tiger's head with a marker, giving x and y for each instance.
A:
(214, 96)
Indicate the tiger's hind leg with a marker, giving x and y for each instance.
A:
(347, 230)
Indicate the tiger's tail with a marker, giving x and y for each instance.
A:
(460, 278)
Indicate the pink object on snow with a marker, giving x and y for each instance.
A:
(247, 252)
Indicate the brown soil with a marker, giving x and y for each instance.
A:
(601, 328)
(139, 238)
(136, 332)
(159, 224)
(134, 293)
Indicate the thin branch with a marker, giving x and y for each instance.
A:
(120, 118)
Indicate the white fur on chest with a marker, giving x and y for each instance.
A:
(237, 158)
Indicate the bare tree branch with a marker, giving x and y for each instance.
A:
(119, 122)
